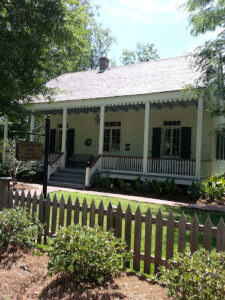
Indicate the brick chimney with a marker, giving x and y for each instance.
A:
(103, 64)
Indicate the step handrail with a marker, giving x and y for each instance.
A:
(92, 169)
(55, 164)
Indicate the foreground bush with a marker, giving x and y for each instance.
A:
(200, 276)
(17, 229)
(87, 253)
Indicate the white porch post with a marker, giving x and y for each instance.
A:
(4, 140)
(32, 124)
(146, 135)
(199, 138)
(101, 132)
(64, 136)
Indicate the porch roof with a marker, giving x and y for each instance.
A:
(164, 75)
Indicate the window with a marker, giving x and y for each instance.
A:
(112, 137)
(220, 145)
(171, 138)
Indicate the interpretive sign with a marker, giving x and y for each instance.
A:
(29, 151)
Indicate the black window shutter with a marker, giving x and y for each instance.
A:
(156, 142)
(185, 150)
(52, 140)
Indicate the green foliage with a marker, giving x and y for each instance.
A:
(137, 185)
(213, 188)
(125, 186)
(59, 36)
(88, 253)
(155, 187)
(205, 15)
(193, 190)
(97, 180)
(142, 53)
(170, 187)
(4, 170)
(17, 228)
(198, 276)
(34, 173)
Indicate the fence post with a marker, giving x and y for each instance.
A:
(4, 183)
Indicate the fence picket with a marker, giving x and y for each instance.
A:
(46, 218)
(220, 236)
(128, 222)
(137, 240)
(10, 199)
(84, 213)
(69, 212)
(109, 217)
(101, 214)
(54, 214)
(76, 211)
(34, 206)
(194, 234)
(41, 214)
(207, 237)
(118, 228)
(28, 202)
(158, 240)
(170, 236)
(61, 211)
(148, 241)
(92, 214)
(22, 199)
(182, 233)
(16, 198)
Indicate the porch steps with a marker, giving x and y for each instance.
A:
(68, 178)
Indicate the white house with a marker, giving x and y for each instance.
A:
(130, 121)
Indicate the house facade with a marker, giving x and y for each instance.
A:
(128, 122)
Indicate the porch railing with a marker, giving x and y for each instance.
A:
(122, 163)
(92, 169)
(55, 161)
(169, 166)
(180, 167)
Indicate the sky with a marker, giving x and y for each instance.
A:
(162, 22)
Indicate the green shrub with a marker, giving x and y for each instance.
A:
(194, 190)
(155, 187)
(87, 253)
(170, 187)
(125, 186)
(137, 185)
(4, 170)
(17, 229)
(33, 173)
(213, 188)
(198, 276)
(97, 180)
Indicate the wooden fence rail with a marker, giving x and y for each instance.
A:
(151, 239)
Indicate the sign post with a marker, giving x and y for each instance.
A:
(46, 162)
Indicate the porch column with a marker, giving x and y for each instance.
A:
(64, 136)
(32, 124)
(146, 135)
(4, 140)
(101, 130)
(199, 138)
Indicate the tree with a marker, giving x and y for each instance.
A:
(39, 40)
(209, 15)
(143, 52)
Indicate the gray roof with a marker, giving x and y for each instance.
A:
(143, 78)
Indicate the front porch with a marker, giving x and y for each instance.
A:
(130, 138)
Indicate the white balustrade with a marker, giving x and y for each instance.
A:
(92, 169)
(122, 163)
